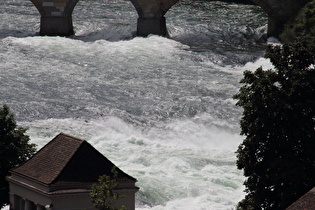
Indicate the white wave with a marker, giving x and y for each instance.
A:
(184, 162)
(7, 207)
(161, 109)
(273, 41)
(261, 62)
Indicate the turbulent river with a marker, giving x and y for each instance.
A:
(160, 108)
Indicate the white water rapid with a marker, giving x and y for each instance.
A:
(160, 108)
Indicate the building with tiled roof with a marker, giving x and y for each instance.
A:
(306, 202)
(60, 176)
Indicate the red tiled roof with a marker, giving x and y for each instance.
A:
(67, 160)
(306, 202)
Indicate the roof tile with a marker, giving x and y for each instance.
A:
(307, 202)
(67, 160)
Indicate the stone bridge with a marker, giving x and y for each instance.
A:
(56, 15)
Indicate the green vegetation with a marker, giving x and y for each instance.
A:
(302, 27)
(14, 149)
(278, 122)
(104, 194)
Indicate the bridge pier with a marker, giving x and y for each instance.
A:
(56, 17)
(279, 13)
(275, 26)
(151, 16)
(56, 26)
(146, 26)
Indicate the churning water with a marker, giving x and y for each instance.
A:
(160, 108)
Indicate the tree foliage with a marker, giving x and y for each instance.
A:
(302, 26)
(14, 149)
(104, 194)
(277, 154)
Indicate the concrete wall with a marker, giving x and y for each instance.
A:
(20, 197)
(26, 194)
(77, 201)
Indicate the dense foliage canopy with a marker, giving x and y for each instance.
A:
(277, 155)
(302, 27)
(14, 149)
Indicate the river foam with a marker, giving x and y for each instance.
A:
(181, 163)
(160, 108)
(154, 125)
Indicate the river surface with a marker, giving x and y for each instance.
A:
(160, 108)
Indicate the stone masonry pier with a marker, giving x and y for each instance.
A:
(56, 15)
(151, 16)
(279, 13)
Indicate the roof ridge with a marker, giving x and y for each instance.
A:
(46, 145)
(105, 158)
(65, 166)
(42, 150)
(86, 143)
(61, 159)
(67, 135)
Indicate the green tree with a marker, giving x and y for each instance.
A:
(14, 149)
(277, 154)
(104, 194)
(302, 26)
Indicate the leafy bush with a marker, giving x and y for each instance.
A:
(104, 195)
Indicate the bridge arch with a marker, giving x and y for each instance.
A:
(149, 8)
(279, 12)
(38, 5)
(56, 15)
(264, 5)
(151, 14)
